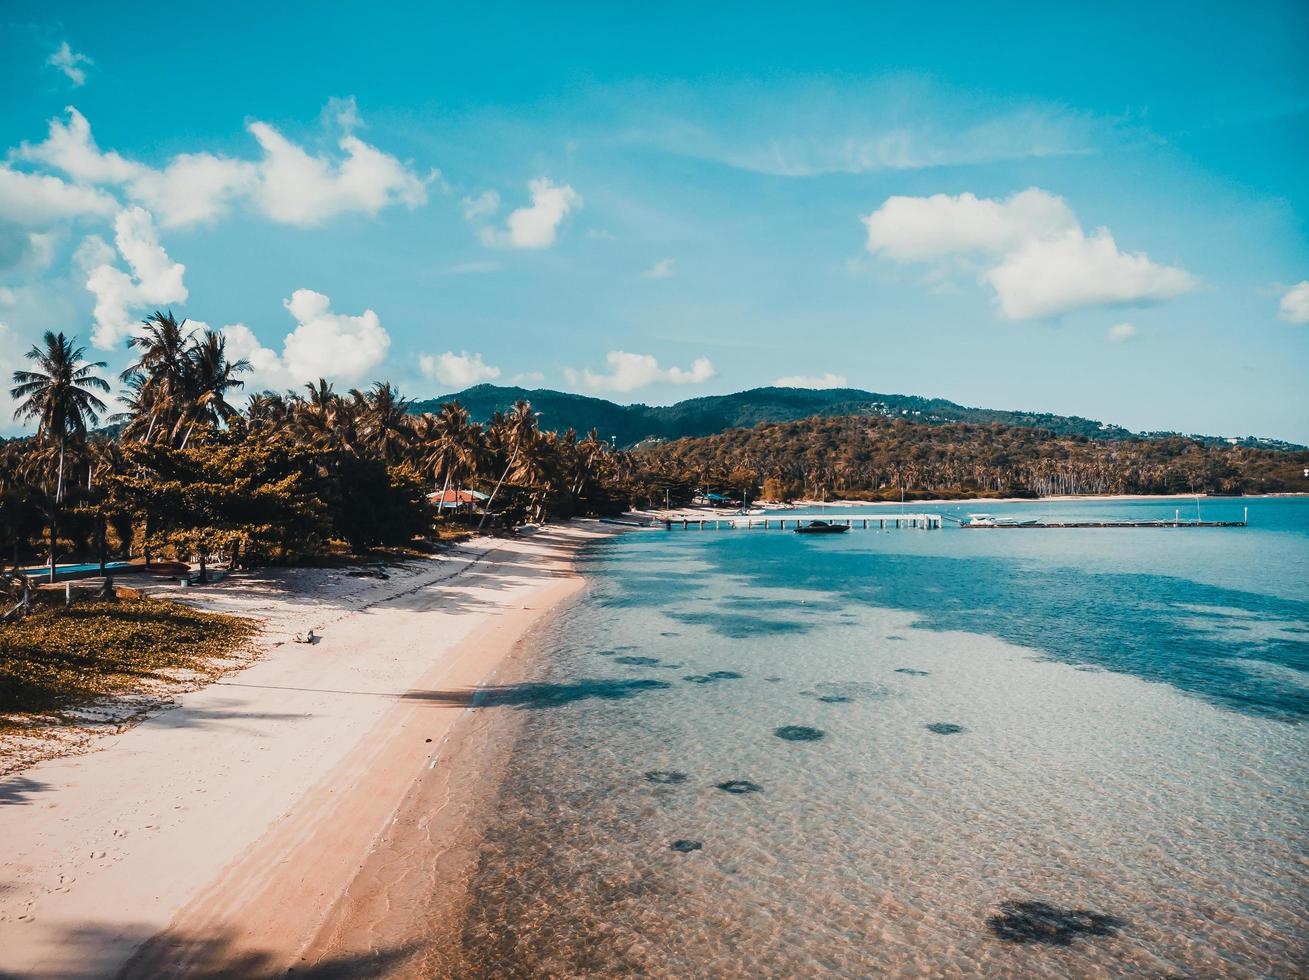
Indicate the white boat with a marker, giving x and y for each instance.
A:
(990, 520)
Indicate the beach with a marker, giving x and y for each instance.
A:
(219, 834)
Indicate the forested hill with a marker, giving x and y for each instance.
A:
(632, 424)
(872, 458)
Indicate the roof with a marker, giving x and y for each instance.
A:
(456, 497)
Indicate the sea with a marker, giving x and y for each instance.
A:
(954, 752)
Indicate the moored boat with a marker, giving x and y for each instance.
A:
(822, 527)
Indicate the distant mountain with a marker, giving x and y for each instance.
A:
(629, 425)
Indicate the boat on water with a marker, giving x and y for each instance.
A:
(990, 520)
(750, 511)
(821, 527)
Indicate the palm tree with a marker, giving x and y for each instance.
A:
(513, 431)
(387, 426)
(59, 397)
(159, 377)
(456, 448)
(209, 377)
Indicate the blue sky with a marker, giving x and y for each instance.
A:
(1097, 210)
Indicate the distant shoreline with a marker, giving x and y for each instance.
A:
(1041, 500)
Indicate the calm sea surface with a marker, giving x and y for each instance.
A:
(1005, 752)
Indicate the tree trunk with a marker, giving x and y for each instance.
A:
(104, 542)
(440, 504)
(487, 512)
(204, 577)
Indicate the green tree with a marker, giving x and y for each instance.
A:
(59, 395)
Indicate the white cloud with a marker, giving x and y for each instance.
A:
(323, 344)
(827, 380)
(1294, 307)
(154, 280)
(527, 378)
(663, 269)
(69, 61)
(40, 199)
(628, 372)
(701, 371)
(914, 229)
(1039, 260)
(458, 370)
(485, 204)
(1121, 332)
(1047, 277)
(536, 225)
(298, 188)
(287, 184)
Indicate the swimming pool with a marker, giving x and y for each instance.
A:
(66, 570)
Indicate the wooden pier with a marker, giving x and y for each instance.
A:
(780, 522)
(1044, 524)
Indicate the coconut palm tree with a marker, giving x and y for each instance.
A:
(456, 449)
(512, 432)
(209, 377)
(59, 395)
(159, 377)
(385, 422)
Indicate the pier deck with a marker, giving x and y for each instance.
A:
(1045, 524)
(781, 522)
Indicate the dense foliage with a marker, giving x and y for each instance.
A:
(629, 425)
(873, 457)
(188, 475)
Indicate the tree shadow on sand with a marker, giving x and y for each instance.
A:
(211, 956)
(19, 789)
(541, 695)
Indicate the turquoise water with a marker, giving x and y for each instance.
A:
(905, 753)
(112, 566)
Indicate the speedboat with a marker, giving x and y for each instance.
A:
(822, 527)
(988, 520)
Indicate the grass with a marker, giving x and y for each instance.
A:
(57, 659)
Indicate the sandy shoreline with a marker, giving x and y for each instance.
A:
(220, 834)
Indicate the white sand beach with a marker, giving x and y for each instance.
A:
(217, 835)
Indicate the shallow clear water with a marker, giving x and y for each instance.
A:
(1042, 752)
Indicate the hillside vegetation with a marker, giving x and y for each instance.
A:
(874, 457)
(630, 425)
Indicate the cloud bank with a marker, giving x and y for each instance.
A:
(153, 279)
(460, 370)
(324, 344)
(287, 184)
(826, 380)
(1036, 256)
(630, 372)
